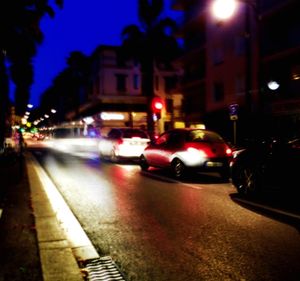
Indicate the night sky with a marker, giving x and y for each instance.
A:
(81, 25)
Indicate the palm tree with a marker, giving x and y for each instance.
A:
(19, 36)
(68, 89)
(152, 41)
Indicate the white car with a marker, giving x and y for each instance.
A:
(123, 143)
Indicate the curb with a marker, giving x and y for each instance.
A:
(62, 243)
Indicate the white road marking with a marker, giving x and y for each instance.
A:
(71, 226)
(268, 208)
(172, 180)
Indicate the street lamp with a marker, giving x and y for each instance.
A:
(223, 10)
(273, 85)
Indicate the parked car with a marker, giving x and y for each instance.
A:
(123, 143)
(188, 149)
(270, 165)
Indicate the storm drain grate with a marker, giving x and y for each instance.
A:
(103, 269)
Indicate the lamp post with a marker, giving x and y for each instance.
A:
(224, 10)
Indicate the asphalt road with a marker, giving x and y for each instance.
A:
(158, 229)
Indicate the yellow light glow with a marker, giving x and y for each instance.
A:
(179, 125)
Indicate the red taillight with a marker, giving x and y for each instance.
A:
(120, 141)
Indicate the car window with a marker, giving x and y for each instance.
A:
(135, 133)
(203, 136)
(60, 133)
(162, 139)
(175, 138)
(114, 134)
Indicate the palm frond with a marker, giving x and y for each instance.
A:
(149, 12)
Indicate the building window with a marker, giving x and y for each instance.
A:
(240, 85)
(169, 105)
(121, 61)
(218, 91)
(240, 45)
(135, 81)
(156, 82)
(218, 55)
(121, 82)
(170, 83)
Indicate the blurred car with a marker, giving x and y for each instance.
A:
(123, 143)
(74, 139)
(267, 165)
(188, 149)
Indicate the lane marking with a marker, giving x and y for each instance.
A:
(268, 208)
(167, 179)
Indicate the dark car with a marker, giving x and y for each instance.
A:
(268, 165)
(188, 149)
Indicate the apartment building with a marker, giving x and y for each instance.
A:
(280, 55)
(232, 62)
(115, 98)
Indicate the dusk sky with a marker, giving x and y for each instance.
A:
(81, 25)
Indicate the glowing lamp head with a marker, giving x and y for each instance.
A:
(223, 9)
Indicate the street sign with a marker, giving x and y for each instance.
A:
(233, 111)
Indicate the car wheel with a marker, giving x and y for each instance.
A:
(246, 180)
(101, 156)
(113, 157)
(143, 163)
(225, 174)
(178, 168)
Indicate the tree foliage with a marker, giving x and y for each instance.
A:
(20, 34)
(151, 41)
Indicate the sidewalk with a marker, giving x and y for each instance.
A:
(32, 243)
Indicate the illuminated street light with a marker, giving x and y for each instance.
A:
(29, 105)
(273, 85)
(224, 9)
(53, 110)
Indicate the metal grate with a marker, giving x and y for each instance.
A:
(103, 269)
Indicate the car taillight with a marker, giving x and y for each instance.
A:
(120, 141)
(228, 152)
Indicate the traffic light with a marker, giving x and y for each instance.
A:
(157, 106)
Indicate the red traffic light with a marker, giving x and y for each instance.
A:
(157, 104)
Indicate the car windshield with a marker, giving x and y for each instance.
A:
(134, 134)
(203, 136)
(64, 133)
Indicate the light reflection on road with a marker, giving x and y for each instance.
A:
(160, 229)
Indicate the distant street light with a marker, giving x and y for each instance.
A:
(273, 85)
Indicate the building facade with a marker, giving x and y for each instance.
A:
(231, 62)
(114, 96)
